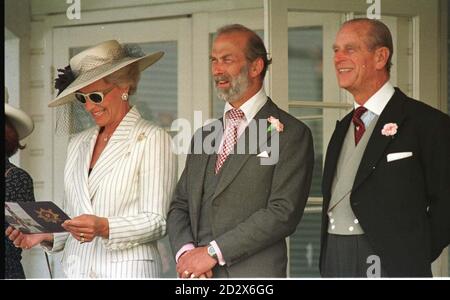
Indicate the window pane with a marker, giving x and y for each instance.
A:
(218, 104)
(157, 93)
(305, 242)
(313, 118)
(305, 63)
(304, 247)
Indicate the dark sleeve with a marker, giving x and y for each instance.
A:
(20, 186)
(436, 163)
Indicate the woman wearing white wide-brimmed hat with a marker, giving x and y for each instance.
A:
(119, 175)
(18, 183)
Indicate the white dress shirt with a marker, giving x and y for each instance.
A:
(250, 108)
(376, 104)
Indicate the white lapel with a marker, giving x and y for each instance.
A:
(81, 169)
(114, 150)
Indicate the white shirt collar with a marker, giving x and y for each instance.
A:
(379, 100)
(251, 107)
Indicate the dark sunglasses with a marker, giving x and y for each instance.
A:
(96, 97)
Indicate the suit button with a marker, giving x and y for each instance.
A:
(351, 228)
(331, 220)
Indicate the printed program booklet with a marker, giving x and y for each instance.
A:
(35, 217)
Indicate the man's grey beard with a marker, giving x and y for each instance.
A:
(238, 86)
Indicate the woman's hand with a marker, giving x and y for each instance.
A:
(26, 241)
(86, 227)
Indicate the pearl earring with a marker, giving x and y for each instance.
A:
(125, 96)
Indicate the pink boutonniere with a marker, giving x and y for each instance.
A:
(389, 129)
(275, 124)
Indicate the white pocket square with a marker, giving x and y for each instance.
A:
(263, 154)
(398, 155)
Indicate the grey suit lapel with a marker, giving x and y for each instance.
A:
(235, 162)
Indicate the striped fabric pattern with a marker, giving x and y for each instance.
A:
(131, 184)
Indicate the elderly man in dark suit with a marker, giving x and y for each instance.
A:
(386, 191)
(234, 207)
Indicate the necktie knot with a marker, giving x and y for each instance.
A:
(235, 115)
(359, 112)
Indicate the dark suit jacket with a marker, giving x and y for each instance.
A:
(404, 205)
(255, 207)
(18, 187)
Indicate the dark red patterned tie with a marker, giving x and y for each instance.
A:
(233, 120)
(359, 124)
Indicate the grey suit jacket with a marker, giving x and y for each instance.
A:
(255, 207)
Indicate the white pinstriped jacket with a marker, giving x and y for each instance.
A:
(131, 184)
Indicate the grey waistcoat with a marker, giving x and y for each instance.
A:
(341, 217)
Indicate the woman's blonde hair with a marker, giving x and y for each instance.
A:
(127, 76)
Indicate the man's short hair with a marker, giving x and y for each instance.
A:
(378, 35)
(255, 45)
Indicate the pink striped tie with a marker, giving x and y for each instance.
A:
(233, 120)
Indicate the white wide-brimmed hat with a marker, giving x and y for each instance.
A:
(20, 120)
(100, 61)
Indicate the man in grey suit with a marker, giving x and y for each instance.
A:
(233, 209)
